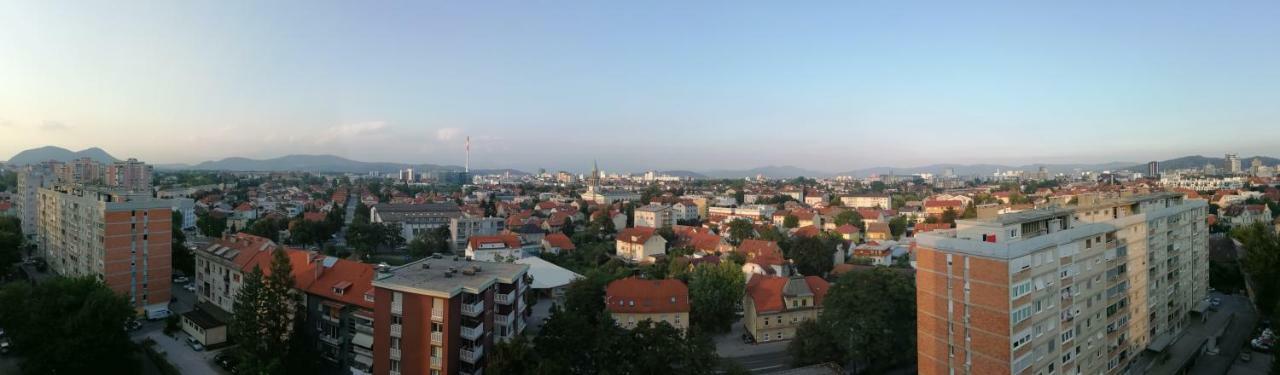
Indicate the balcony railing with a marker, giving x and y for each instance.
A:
(473, 333)
(506, 299)
(397, 307)
(437, 314)
(437, 337)
(473, 309)
(332, 340)
(396, 330)
(435, 362)
(395, 353)
(471, 355)
(504, 319)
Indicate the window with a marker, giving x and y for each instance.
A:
(1021, 338)
(1021, 313)
(1020, 289)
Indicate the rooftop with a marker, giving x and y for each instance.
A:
(446, 276)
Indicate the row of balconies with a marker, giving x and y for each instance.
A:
(471, 355)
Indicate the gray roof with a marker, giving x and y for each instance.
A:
(412, 212)
(796, 287)
(446, 276)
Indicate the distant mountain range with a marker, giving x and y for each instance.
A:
(772, 171)
(323, 163)
(47, 153)
(1198, 161)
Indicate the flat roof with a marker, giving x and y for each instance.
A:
(447, 276)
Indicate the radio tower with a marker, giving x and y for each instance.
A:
(466, 166)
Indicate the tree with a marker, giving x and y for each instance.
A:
(898, 226)
(659, 348)
(1262, 263)
(714, 290)
(878, 186)
(812, 344)
(11, 242)
(740, 229)
(515, 356)
(850, 217)
(432, 242)
(211, 226)
(813, 256)
(263, 317)
(970, 212)
(69, 326)
(861, 307)
(790, 221)
(949, 216)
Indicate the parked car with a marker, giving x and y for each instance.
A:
(180, 280)
(132, 325)
(227, 362)
(189, 287)
(159, 313)
(195, 344)
(746, 339)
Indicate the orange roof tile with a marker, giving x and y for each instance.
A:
(639, 296)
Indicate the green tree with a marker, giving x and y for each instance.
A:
(432, 242)
(813, 344)
(813, 256)
(247, 328)
(949, 216)
(714, 290)
(740, 229)
(11, 242)
(659, 348)
(1262, 263)
(69, 326)
(790, 221)
(850, 217)
(898, 226)
(862, 306)
(278, 312)
(210, 226)
(878, 186)
(515, 356)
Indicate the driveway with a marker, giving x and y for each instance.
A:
(188, 362)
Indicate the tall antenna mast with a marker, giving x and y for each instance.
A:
(467, 166)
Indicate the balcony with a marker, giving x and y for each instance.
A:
(437, 315)
(395, 353)
(435, 362)
(331, 340)
(504, 319)
(397, 330)
(471, 355)
(473, 333)
(362, 351)
(473, 309)
(397, 307)
(437, 338)
(505, 299)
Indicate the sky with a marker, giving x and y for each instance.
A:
(700, 85)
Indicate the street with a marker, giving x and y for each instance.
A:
(759, 358)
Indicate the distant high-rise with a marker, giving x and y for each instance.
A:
(1153, 169)
(949, 172)
(406, 175)
(1233, 163)
(130, 175)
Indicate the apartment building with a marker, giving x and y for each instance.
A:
(129, 175)
(122, 239)
(653, 216)
(26, 200)
(867, 201)
(415, 219)
(774, 306)
(1069, 290)
(462, 228)
(442, 315)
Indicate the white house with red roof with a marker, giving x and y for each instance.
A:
(640, 244)
(495, 248)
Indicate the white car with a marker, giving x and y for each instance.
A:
(189, 287)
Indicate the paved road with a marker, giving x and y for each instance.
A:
(765, 363)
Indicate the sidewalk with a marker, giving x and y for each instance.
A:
(188, 361)
(730, 345)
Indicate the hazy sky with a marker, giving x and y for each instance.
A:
(644, 84)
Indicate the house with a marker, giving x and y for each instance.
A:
(775, 306)
(653, 216)
(554, 243)
(640, 244)
(619, 219)
(849, 232)
(707, 243)
(557, 221)
(315, 217)
(1246, 214)
(936, 208)
(633, 300)
(415, 220)
(871, 215)
(880, 253)
(763, 258)
(495, 248)
(807, 231)
(878, 231)
(684, 210)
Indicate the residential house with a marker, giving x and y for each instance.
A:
(867, 201)
(653, 216)
(1242, 215)
(878, 231)
(495, 248)
(849, 232)
(633, 300)
(640, 244)
(555, 243)
(774, 306)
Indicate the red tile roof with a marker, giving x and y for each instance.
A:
(943, 203)
(511, 241)
(560, 240)
(767, 291)
(807, 231)
(878, 228)
(848, 229)
(313, 216)
(638, 296)
(929, 227)
(637, 235)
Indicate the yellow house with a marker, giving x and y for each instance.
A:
(639, 244)
(633, 300)
(774, 306)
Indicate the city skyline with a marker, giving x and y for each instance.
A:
(663, 86)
